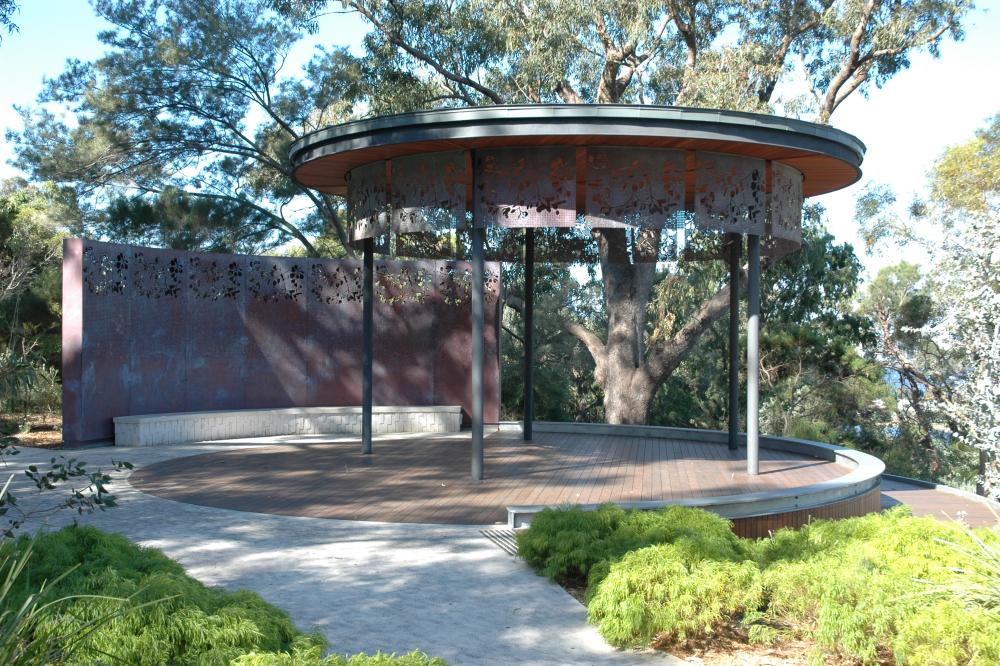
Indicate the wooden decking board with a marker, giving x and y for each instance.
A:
(402, 480)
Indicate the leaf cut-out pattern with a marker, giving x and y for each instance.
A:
(526, 187)
(634, 187)
(155, 279)
(213, 279)
(729, 193)
(270, 283)
(428, 192)
(105, 272)
(368, 201)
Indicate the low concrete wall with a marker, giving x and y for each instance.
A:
(795, 504)
(180, 427)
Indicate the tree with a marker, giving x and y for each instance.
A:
(903, 306)
(965, 201)
(608, 52)
(7, 10)
(173, 97)
(170, 110)
(939, 329)
(30, 243)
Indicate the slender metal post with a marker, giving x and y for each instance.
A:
(478, 351)
(529, 333)
(735, 252)
(367, 344)
(753, 355)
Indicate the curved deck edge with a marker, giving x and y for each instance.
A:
(848, 495)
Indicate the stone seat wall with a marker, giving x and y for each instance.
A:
(181, 427)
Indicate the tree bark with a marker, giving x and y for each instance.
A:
(628, 371)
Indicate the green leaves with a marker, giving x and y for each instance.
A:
(857, 588)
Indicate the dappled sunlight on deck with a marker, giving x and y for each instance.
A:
(425, 478)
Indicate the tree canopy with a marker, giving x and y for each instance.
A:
(191, 104)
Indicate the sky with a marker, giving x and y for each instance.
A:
(906, 125)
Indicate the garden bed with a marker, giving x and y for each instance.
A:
(886, 588)
(42, 430)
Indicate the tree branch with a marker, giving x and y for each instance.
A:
(423, 56)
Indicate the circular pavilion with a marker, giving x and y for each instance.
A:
(447, 180)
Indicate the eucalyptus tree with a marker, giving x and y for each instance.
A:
(938, 328)
(965, 203)
(7, 10)
(188, 102)
(190, 97)
(724, 54)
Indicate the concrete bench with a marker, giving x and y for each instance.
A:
(180, 427)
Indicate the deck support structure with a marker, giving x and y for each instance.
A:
(529, 333)
(753, 355)
(367, 343)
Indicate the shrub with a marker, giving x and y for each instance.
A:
(945, 632)
(882, 587)
(189, 623)
(566, 544)
(855, 584)
(665, 593)
(306, 653)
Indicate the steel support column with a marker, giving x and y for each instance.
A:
(753, 355)
(367, 343)
(478, 350)
(529, 333)
(735, 254)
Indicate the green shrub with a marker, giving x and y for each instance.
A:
(886, 586)
(305, 653)
(189, 623)
(855, 583)
(665, 593)
(566, 544)
(945, 632)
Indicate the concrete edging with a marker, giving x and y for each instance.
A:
(864, 477)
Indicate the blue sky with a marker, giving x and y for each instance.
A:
(906, 124)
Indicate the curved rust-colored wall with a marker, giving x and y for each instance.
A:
(148, 331)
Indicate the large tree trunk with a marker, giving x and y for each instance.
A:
(628, 285)
(627, 397)
(627, 369)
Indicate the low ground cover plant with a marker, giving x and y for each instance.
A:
(99, 599)
(884, 588)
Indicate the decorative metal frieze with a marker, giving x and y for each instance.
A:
(155, 279)
(336, 285)
(213, 280)
(105, 273)
(729, 193)
(270, 283)
(402, 284)
(526, 187)
(634, 187)
(786, 202)
(368, 201)
(454, 285)
(428, 192)
(491, 285)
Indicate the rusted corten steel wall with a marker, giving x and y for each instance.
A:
(148, 331)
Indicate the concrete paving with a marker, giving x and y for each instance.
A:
(443, 589)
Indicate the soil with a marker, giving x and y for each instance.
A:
(45, 432)
(729, 651)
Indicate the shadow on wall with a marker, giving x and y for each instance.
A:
(149, 331)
